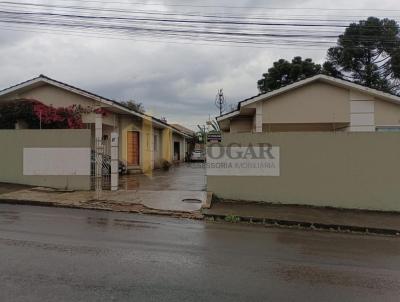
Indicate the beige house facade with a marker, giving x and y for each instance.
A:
(144, 141)
(317, 104)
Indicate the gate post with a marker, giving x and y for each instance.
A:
(99, 154)
(114, 161)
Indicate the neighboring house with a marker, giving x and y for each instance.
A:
(319, 103)
(184, 129)
(144, 141)
(190, 143)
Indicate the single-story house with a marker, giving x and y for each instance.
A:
(190, 143)
(144, 141)
(319, 103)
(331, 143)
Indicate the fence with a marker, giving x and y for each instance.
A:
(100, 168)
(50, 158)
(344, 170)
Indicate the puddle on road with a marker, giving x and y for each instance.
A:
(98, 222)
(105, 223)
(7, 217)
(132, 225)
(335, 277)
(128, 183)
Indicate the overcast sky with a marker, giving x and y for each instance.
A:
(174, 80)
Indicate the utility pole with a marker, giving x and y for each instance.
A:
(220, 101)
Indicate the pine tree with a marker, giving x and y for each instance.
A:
(368, 53)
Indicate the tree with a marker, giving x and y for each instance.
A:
(202, 133)
(284, 73)
(368, 53)
(133, 105)
(215, 126)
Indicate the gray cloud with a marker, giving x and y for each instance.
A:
(178, 81)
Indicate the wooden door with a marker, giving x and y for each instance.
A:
(133, 148)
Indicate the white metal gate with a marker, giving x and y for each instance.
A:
(100, 158)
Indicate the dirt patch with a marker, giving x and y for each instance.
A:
(8, 188)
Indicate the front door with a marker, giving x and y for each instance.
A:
(133, 148)
(177, 151)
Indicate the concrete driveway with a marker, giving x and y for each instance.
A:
(185, 177)
(179, 190)
(182, 188)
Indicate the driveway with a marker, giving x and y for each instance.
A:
(184, 177)
(181, 190)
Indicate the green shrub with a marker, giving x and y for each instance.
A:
(232, 218)
(166, 165)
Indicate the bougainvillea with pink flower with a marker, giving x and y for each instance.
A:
(38, 115)
(62, 117)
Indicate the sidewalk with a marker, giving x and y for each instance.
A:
(185, 204)
(309, 217)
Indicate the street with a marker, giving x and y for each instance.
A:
(52, 254)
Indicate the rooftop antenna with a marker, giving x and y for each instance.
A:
(220, 101)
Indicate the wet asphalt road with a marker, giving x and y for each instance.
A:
(50, 254)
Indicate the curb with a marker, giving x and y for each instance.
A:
(26, 202)
(195, 216)
(208, 202)
(308, 225)
(219, 217)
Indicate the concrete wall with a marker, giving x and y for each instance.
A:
(313, 103)
(157, 148)
(11, 156)
(310, 127)
(51, 95)
(344, 170)
(166, 146)
(147, 148)
(386, 114)
(241, 125)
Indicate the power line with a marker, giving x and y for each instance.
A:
(238, 31)
(146, 12)
(231, 6)
(189, 21)
(125, 10)
(59, 17)
(114, 36)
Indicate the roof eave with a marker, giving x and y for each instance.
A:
(335, 81)
(228, 116)
(94, 97)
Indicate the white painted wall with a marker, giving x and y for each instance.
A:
(362, 116)
(56, 161)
